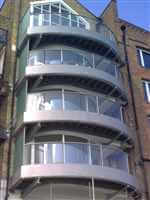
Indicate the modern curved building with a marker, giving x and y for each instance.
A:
(71, 137)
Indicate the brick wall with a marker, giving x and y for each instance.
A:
(135, 37)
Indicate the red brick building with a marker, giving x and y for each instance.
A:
(74, 103)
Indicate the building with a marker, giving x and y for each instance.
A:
(75, 108)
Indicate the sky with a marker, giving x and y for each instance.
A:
(134, 11)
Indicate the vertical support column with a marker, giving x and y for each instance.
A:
(32, 153)
(93, 189)
(51, 191)
(90, 158)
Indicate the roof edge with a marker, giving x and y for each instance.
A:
(77, 1)
(133, 25)
(108, 5)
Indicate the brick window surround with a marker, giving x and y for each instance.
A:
(146, 86)
(144, 58)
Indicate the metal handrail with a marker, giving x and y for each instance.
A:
(105, 31)
(42, 104)
(83, 155)
(85, 62)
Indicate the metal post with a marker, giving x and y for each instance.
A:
(93, 189)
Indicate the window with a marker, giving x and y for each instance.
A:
(2, 56)
(144, 58)
(146, 85)
(54, 13)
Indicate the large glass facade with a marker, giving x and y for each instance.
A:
(77, 191)
(55, 13)
(54, 100)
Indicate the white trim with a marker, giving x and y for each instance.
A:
(87, 25)
(147, 88)
(141, 51)
(2, 59)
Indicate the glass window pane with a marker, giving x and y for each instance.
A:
(69, 138)
(46, 9)
(52, 57)
(52, 100)
(55, 19)
(109, 67)
(95, 154)
(109, 108)
(46, 14)
(65, 17)
(27, 156)
(145, 92)
(115, 159)
(76, 153)
(34, 102)
(74, 101)
(146, 57)
(45, 101)
(92, 104)
(88, 60)
(64, 21)
(49, 156)
(72, 58)
(36, 15)
(74, 22)
(55, 16)
(36, 20)
(82, 24)
(36, 58)
(37, 10)
(97, 61)
(39, 153)
(71, 191)
(48, 138)
(55, 8)
(105, 65)
(57, 153)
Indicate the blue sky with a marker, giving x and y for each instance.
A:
(134, 11)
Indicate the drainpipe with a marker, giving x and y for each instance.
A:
(12, 103)
(130, 82)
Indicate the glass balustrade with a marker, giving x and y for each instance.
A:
(57, 100)
(76, 153)
(73, 57)
(53, 14)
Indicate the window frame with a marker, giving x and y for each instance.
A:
(146, 87)
(60, 2)
(141, 51)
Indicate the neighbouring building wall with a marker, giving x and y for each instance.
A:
(136, 37)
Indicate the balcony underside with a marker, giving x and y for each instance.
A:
(98, 125)
(87, 78)
(79, 38)
(107, 177)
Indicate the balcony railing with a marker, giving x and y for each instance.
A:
(63, 100)
(74, 57)
(75, 153)
(67, 20)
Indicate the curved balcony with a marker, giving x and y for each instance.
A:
(77, 110)
(88, 33)
(76, 160)
(76, 153)
(64, 62)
